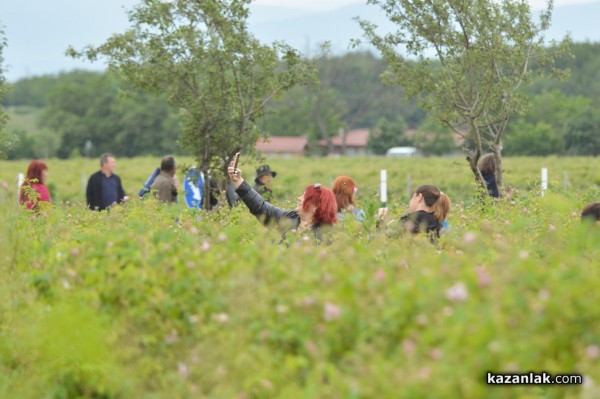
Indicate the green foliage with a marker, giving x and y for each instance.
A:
(584, 79)
(539, 139)
(87, 106)
(434, 139)
(136, 304)
(387, 134)
(582, 133)
(31, 92)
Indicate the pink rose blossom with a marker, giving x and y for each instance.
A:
(457, 293)
(409, 346)
(469, 237)
(331, 312)
(592, 352)
(436, 354)
(483, 277)
(183, 370)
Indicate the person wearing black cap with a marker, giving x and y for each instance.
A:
(264, 177)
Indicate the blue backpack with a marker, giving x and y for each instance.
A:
(146, 189)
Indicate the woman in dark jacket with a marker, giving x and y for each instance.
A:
(316, 207)
(428, 208)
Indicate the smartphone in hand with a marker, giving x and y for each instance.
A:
(236, 159)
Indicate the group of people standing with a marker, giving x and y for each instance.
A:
(317, 207)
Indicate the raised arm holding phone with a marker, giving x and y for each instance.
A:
(316, 206)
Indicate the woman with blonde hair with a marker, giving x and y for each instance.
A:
(344, 188)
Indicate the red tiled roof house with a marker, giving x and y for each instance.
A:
(282, 146)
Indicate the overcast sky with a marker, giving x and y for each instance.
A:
(321, 5)
(39, 31)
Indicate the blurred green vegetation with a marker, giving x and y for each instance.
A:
(151, 301)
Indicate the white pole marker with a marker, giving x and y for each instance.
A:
(383, 186)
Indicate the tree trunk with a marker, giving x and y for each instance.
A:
(206, 193)
(205, 168)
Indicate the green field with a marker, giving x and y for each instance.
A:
(158, 302)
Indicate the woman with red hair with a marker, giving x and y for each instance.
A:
(344, 188)
(316, 207)
(35, 185)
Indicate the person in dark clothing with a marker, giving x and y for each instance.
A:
(316, 207)
(487, 166)
(428, 209)
(104, 187)
(591, 213)
(263, 180)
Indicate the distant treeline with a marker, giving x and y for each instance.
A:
(87, 113)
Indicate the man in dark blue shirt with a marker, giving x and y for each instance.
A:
(104, 188)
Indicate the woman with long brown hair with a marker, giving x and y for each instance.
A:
(428, 208)
(344, 188)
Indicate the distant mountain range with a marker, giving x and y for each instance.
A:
(39, 32)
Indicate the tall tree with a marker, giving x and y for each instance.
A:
(472, 56)
(4, 142)
(201, 55)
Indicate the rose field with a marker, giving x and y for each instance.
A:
(158, 302)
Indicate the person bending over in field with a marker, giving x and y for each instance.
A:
(34, 190)
(487, 166)
(428, 209)
(316, 207)
(591, 213)
(345, 190)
